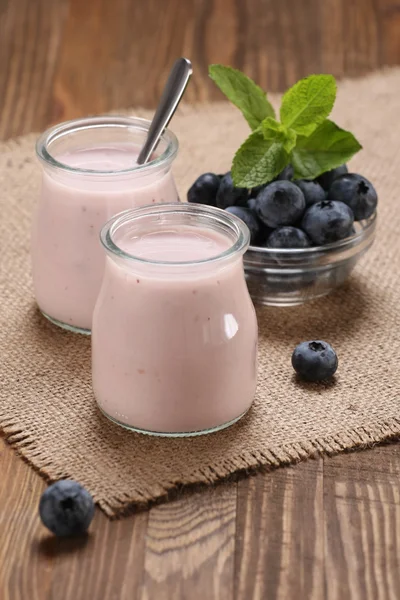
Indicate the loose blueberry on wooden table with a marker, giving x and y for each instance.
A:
(66, 508)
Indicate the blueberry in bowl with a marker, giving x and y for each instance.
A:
(248, 217)
(357, 192)
(292, 276)
(304, 240)
(230, 195)
(280, 203)
(311, 243)
(326, 179)
(303, 249)
(311, 219)
(288, 237)
(327, 221)
(312, 190)
(204, 189)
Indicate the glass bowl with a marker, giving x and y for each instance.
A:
(290, 277)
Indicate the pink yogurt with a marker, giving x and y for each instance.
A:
(89, 175)
(174, 329)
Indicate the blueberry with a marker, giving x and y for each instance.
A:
(280, 203)
(286, 174)
(326, 179)
(230, 195)
(288, 237)
(256, 190)
(66, 508)
(357, 192)
(312, 191)
(251, 204)
(204, 190)
(314, 361)
(249, 218)
(327, 221)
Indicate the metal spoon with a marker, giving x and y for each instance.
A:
(172, 94)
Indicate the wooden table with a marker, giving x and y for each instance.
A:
(325, 529)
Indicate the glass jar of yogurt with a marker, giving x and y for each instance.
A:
(174, 339)
(89, 175)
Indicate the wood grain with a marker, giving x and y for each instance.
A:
(190, 547)
(34, 565)
(23, 572)
(362, 525)
(62, 59)
(118, 54)
(107, 564)
(283, 511)
(30, 35)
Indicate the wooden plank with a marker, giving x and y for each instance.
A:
(118, 54)
(362, 525)
(24, 573)
(34, 565)
(279, 545)
(30, 35)
(121, 51)
(107, 565)
(190, 547)
(388, 31)
(133, 44)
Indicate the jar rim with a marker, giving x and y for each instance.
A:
(67, 127)
(236, 225)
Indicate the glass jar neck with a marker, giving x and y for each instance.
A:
(176, 218)
(103, 148)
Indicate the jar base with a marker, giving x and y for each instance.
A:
(175, 434)
(66, 326)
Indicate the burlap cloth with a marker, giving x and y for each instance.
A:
(47, 409)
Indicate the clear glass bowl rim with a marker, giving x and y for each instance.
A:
(349, 242)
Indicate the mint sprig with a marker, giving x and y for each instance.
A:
(256, 157)
(265, 152)
(304, 137)
(306, 104)
(243, 93)
(327, 147)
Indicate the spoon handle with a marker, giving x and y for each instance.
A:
(173, 92)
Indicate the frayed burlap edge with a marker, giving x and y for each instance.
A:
(245, 464)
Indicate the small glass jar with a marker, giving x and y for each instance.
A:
(89, 175)
(174, 342)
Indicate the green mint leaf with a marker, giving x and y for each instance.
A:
(258, 160)
(272, 129)
(328, 147)
(308, 103)
(243, 93)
